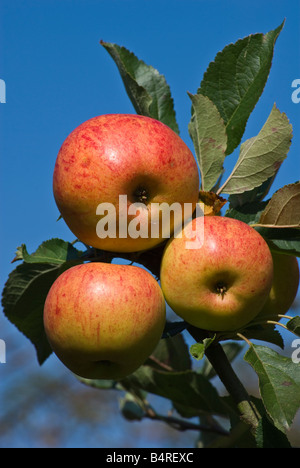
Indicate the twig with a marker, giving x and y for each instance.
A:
(183, 425)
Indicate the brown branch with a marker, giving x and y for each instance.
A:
(183, 425)
(218, 359)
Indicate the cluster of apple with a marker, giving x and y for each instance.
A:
(103, 320)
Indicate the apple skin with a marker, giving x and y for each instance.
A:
(284, 288)
(222, 285)
(104, 320)
(121, 154)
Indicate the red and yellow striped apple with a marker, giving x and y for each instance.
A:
(104, 320)
(284, 288)
(223, 282)
(128, 155)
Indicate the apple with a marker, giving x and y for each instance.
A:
(104, 320)
(223, 282)
(284, 288)
(121, 155)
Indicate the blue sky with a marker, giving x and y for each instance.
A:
(57, 76)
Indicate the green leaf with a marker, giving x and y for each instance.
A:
(260, 156)
(255, 195)
(208, 134)
(294, 325)
(282, 240)
(188, 389)
(146, 87)
(235, 80)
(268, 436)
(18, 254)
(27, 286)
(264, 332)
(197, 350)
(279, 240)
(171, 353)
(279, 384)
(248, 213)
(23, 301)
(283, 209)
(54, 251)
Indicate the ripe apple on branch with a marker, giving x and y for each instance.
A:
(103, 321)
(223, 284)
(116, 155)
(229, 272)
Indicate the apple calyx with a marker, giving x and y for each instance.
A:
(141, 195)
(221, 289)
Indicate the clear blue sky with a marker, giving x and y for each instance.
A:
(57, 76)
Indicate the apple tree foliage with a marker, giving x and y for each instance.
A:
(177, 372)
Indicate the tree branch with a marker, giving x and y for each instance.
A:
(183, 425)
(218, 359)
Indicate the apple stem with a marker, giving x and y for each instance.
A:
(218, 359)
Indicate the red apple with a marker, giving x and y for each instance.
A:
(223, 282)
(132, 156)
(104, 320)
(284, 288)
